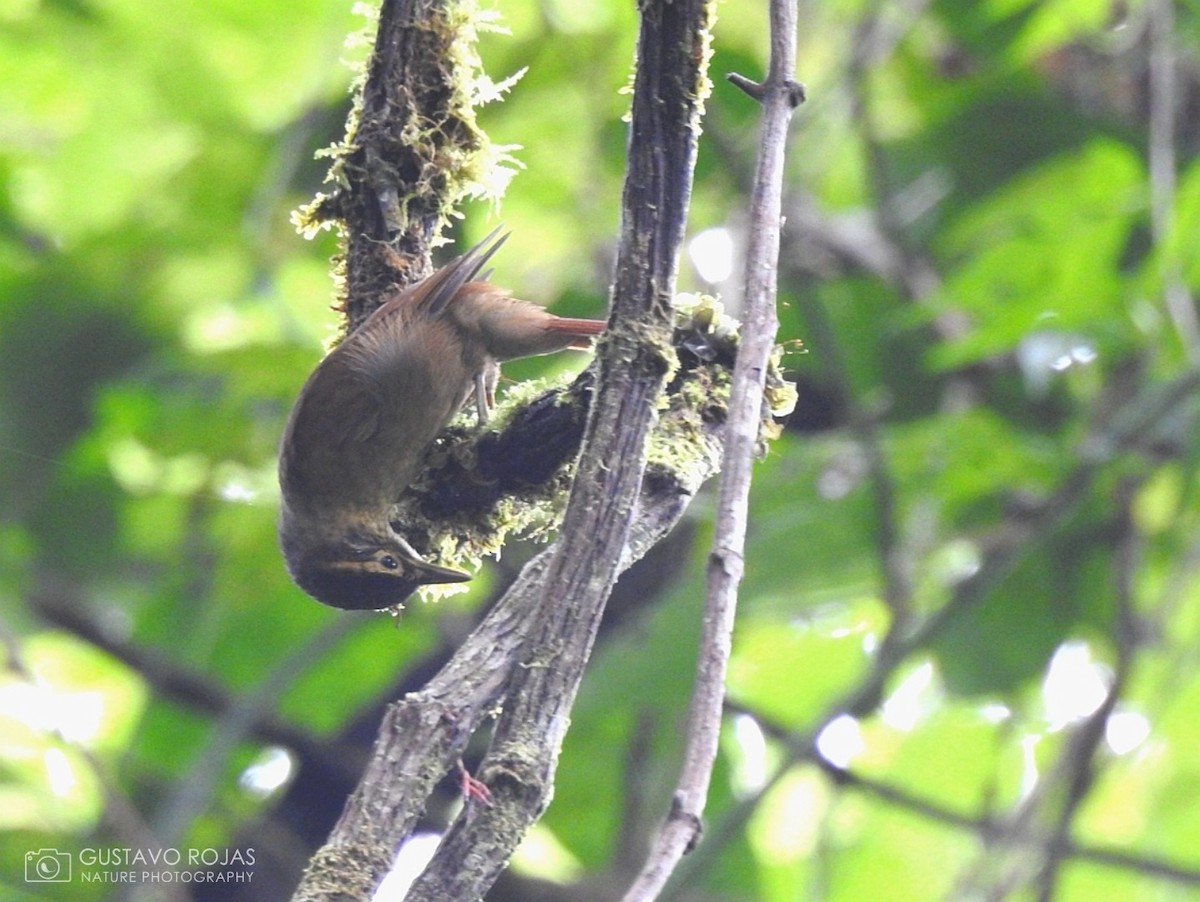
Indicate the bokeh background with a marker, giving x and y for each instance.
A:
(967, 663)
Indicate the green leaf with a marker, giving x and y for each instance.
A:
(1043, 253)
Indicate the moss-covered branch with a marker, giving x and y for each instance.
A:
(413, 149)
(634, 437)
(481, 487)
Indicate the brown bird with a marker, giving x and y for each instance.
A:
(365, 417)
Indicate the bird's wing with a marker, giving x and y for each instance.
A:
(337, 416)
(337, 406)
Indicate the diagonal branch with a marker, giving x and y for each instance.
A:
(426, 732)
(632, 364)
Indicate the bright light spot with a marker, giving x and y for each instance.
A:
(133, 465)
(844, 468)
(1029, 769)
(956, 561)
(994, 712)
(749, 758)
(410, 861)
(841, 741)
(1124, 731)
(141, 470)
(236, 491)
(79, 715)
(870, 643)
(913, 698)
(59, 772)
(1074, 686)
(542, 855)
(787, 825)
(1084, 353)
(712, 254)
(270, 770)
(215, 328)
(76, 716)
(835, 483)
(1041, 354)
(241, 484)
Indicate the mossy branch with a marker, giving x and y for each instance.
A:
(650, 410)
(479, 488)
(413, 149)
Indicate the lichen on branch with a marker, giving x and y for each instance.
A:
(480, 487)
(413, 150)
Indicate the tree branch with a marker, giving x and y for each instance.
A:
(412, 151)
(988, 827)
(632, 361)
(181, 684)
(1132, 428)
(779, 95)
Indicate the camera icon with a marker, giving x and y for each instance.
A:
(47, 866)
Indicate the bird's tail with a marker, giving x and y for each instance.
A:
(581, 330)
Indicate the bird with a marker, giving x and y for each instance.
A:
(360, 426)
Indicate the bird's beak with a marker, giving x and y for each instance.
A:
(423, 573)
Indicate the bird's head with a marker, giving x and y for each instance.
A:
(361, 568)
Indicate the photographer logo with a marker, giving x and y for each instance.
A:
(109, 865)
(47, 866)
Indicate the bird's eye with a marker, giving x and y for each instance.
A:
(389, 562)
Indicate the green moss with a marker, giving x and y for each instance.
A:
(683, 449)
(447, 157)
(464, 540)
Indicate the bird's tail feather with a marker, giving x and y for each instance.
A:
(440, 288)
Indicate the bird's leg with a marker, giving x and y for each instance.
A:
(485, 390)
(472, 788)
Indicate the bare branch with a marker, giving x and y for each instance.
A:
(1164, 111)
(985, 827)
(1134, 424)
(181, 684)
(235, 725)
(779, 96)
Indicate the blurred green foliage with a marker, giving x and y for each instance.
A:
(992, 467)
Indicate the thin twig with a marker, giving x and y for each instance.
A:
(186, 686)
(779, 94)
(1141, 417)
(987, 827)
(1079, 759)
(1164, 102)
